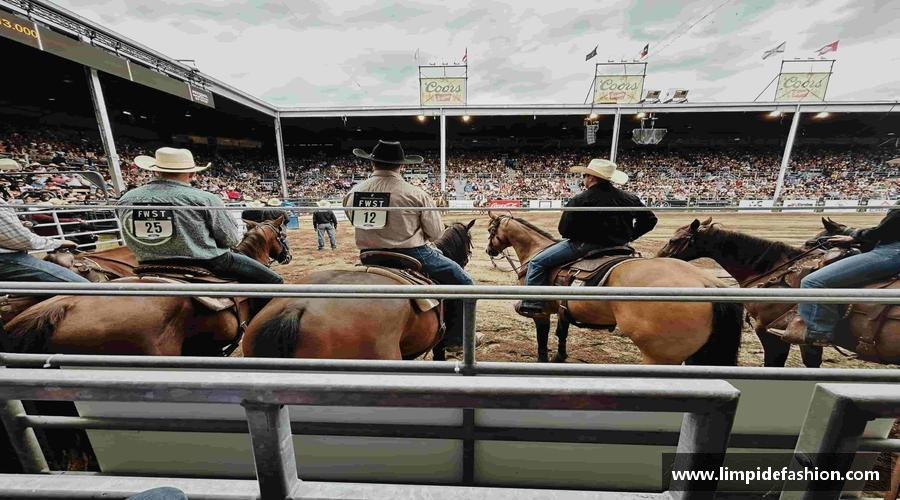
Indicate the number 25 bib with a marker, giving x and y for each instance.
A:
(152, 226)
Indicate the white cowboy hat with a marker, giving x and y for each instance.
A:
(603, 169)
(171, 160)
(9, 164)
(323, 203)
(895, 161)
(274, 202)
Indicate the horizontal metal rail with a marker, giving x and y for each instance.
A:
(729, 208)
(657, 294)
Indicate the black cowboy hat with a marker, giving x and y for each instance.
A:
(390, 152)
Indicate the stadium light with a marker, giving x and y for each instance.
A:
(823, 114)
(775, 114)
(641, 115)
(126, 112)
(593, 116)
(421, 118)
(187, 114)
(652, 97)
(466, 118)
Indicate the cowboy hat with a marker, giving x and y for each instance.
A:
(895, 161)
(323, 203)
(9, 164)
(390, 152)
(171, 160)
(603, 169)
(274, 202)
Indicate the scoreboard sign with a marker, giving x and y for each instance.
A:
(19, 29)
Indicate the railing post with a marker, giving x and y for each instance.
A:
(273, 450)
(59, 229)
(468, 318)
(22, 438)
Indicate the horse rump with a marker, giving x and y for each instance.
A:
(278, 337)
(30, 331)
(721, 349)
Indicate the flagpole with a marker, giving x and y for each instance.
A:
(767, 86)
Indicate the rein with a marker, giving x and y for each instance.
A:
(523, 266)
(787, 263)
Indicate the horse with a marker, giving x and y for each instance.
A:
(665, 332)
(745, 257)
(157, 325)
(353, 328)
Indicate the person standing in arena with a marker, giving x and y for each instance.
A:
(814, 324)
(325, 222)
(190, 237)
(406, 232)
(588, 231)
(16, 241)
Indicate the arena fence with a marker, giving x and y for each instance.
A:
(435, 428)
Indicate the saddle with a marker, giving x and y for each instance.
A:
(868, 324)
(185, 273)
(591, 270)
(403, 269)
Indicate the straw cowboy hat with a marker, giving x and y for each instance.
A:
(323, 203)
(274, 202)
(171, 160)
(390, 152)
(895, 161)
(9, 164)
(603, 169)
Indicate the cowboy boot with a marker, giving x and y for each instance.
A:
(797, 333)
(530, 309)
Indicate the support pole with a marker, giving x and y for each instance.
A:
(273, 450)
(22, 438)
(279, 147)
(786, 158)
(614, 145)
(109, 146)
(443, 152)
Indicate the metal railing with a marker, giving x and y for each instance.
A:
(709, 407)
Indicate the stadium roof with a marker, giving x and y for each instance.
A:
(67, 21)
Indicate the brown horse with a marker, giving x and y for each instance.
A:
(164, 326)
(352, 328)
(665, 332)
(745, 257)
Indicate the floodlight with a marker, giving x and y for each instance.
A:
(466, 118)
(823, 114)
(421, 118)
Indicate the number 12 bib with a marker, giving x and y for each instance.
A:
(369, 218)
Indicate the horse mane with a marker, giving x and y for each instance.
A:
(455, 243)
(536, 229)
(761, 254)
(252, 243)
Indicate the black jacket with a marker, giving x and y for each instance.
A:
(324, 217)
(605, 228)
(887, 231)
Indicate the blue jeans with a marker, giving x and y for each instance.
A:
(325, 228)
(241, 268)
(164, 493)
(555, 255)
(20, 266)
(881, 262)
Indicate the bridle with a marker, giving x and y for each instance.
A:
(492, 233)
(284, 256)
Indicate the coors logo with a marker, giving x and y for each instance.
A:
(617, 89)
(443, 91)
(802, 86)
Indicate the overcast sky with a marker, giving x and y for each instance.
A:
(348, 52)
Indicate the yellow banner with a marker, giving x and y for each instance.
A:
(618, 89)
(443, 91)
(799, 87)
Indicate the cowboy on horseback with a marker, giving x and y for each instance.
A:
(588, 231)
(405, 232)
(187, 237)
(815, 323)
(16, 241)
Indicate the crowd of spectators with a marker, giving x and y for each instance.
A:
(251, 176)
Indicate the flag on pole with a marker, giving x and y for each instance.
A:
(592, 54)
(466, 56)
(645, 51)
(417, 55)
(777, 50)
(831, 47)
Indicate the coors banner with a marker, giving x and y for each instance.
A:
(442, 91)
(798, 87)
(618, 89)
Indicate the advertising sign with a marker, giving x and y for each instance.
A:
(504, 203)
(851, 205)
(618, 89)
(442, 91)
(800, 203)
(801, 87)
(882, 204)
(755, 204)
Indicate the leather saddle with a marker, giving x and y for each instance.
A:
(403, 269)
(869, 325)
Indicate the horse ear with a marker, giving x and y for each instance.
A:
(491, 215)
(250, 224)
(281, 219)
(470, 224)
(707, 222)
(695, 225)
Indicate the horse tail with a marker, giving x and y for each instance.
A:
(725, 339)
(30, 331)
(278, 337)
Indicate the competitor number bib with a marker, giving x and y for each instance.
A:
(152, 225)
(369, 219)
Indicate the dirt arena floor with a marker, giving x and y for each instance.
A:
(510, 337)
